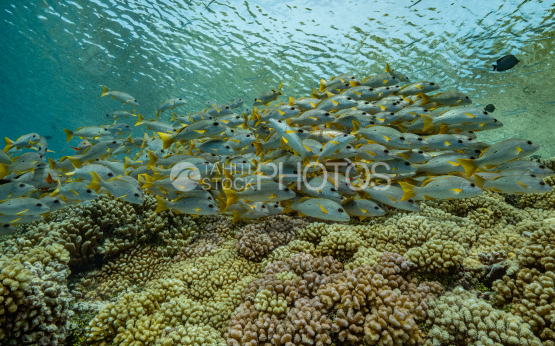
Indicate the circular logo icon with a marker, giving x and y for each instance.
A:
(185, 176)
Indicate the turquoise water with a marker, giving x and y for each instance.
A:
(58, 54)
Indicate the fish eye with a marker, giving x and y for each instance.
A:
(533, 175)
(227, 146)
(209, 198)
(7, 225)
(244, 162)
(295, 172)
(348, 98)
(460, 141)
(371, 89)
(263, 206)
(326, 114)
(466, 97)
(366, 103)
(542, 166)
(472, 185)
(206, 163)
(386, 88)
(340, 210)
(39, 205)
(402, 138)
(89, 191)
(114, 142)
(107, 115)
(348, 147)
(529, 142)
(110, 174)
(420, 152)
(363, 113)
(279, 121)
(216, 123)
(286, 189)
(485, 112)
(411, 201)
(333, 189)
(352, 77)
(407, 163)
(56, 201)
(300, 131)
(180, 100)
(232, 131)
(542, 183)
(372, 123)
(391, 113)
(477, 151)
(21, 185)
(226, 107)
(276, 206)
(472, 158)
(432, 84)
(211, 206)
(213, 154)
(386, 151)
(292, 108)
(419, 138)
(136, 195)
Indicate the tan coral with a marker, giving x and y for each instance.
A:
(461, 317)
(437, 255)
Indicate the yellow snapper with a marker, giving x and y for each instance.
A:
(170, 104)
(120, 96)
(441, 187)
(189, 205)
(268, 96)
(513, 184)
(25, 141)
(319, 208)
(23, 206)
(499, 153)
(119, 188)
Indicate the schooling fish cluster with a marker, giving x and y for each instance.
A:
(351, 148)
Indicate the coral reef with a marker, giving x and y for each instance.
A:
(144, 278)
(460, 317)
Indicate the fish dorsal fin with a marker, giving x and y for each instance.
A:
(303, 199)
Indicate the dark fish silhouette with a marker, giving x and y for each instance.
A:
(489, 108)
(505, 63)
(48, 137)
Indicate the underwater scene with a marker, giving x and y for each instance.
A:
(216, 172)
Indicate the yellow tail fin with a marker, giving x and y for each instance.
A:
(4, 170)
(57, 191)
(408, 189)
(69, 134)
(105, 91)
(479, 181)
(75, 161)
(231, 197)
(469, 166)
(167, 139)
(157, 114)
(258, 147)
(162, 204)
(151, 159)
(428, 121)
(140, 120)
(96, 182)
(387, 69)
(322, 85)
(174, 117)
(127, 163)
(279, 89)
(291, 101)
(425, 98)
(9, 143)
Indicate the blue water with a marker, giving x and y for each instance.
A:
(57, 54)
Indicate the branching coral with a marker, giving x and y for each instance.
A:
(460, 317)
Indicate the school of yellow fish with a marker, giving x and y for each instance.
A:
(353, 148)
